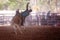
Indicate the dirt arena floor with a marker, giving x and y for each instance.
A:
(30, 33)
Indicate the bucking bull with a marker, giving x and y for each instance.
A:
(19, 18)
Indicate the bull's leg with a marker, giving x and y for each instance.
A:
(22, 21)
(15, 29)
(19, 29)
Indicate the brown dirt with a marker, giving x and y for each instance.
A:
(30, 33)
